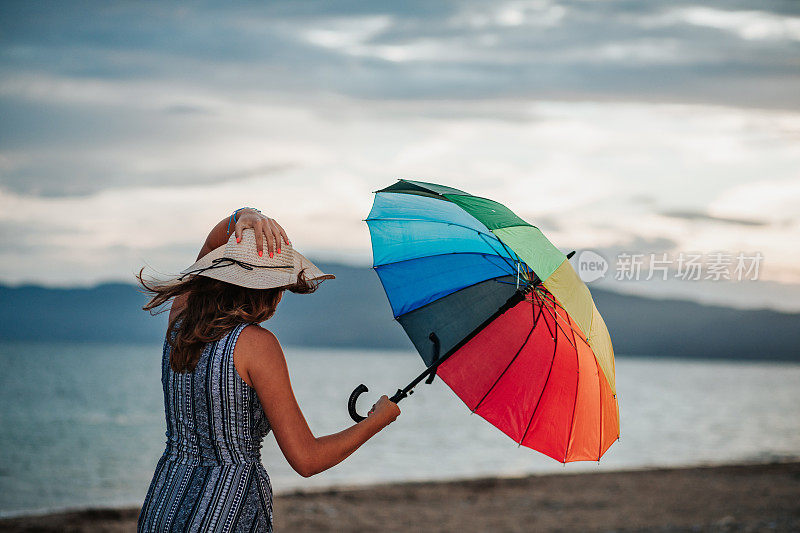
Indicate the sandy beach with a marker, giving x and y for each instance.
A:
(721, 498)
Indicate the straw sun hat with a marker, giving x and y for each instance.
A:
(239, 264)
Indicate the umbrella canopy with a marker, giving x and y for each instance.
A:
(499, 314)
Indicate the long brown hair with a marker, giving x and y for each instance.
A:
(212, 309)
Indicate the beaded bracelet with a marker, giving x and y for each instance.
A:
(233, 217)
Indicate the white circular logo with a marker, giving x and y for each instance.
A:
(591, 266)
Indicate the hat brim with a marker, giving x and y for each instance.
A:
(266, 277)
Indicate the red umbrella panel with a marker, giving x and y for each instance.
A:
(542, 386)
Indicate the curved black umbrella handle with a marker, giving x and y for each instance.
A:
(358, 391)
(351, 403)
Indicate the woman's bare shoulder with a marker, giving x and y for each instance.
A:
(258, 346)
(254, 333)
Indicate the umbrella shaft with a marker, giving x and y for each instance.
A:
(431, 370)
(402, 393)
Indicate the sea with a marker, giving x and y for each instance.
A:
(82, 425)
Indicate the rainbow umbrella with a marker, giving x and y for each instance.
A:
(499, 314)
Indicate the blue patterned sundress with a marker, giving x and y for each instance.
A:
(210, 477)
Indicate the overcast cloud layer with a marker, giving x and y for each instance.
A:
(651, 126)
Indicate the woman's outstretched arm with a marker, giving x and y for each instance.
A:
(266, 229)
(259, 359)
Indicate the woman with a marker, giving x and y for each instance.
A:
(226, 384)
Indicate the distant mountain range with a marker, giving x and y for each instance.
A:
(352, 311)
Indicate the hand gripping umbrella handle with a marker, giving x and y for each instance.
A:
(429, 372)
(358, 391)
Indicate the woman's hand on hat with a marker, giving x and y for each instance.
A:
(265, 229)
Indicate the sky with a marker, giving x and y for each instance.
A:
(128, 129)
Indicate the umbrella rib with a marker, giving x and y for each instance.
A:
(541, 308)
(546, 381)
(376, 267)
(555, 311)
(492, 235)
(575, 403)
(516, 257)
(552, 299)
(574, 345)
(548, 296)
(549, 299)
(496, 279)
(479, 232)
(572, 329)
(556, 306)
(556, 316)
(482, 234)
(600, 393)
(506, 368)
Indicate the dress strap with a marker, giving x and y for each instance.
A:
(230, 341)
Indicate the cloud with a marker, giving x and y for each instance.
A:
(186, 109)
(697, 215)
(678, 52)
(775, 199)
(750, 25)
